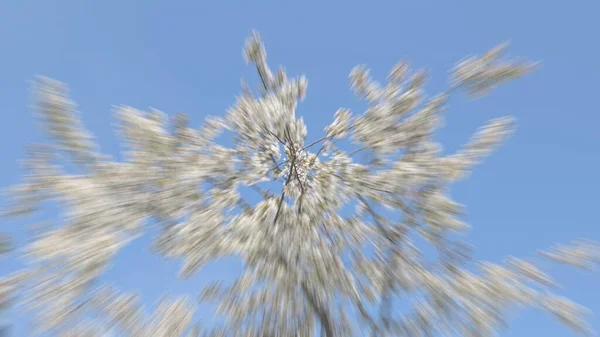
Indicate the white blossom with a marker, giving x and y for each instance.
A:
(308, 270)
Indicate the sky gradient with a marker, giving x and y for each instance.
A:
(538, 189)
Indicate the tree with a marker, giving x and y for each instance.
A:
(309, 269)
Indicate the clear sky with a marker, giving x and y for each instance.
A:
(183, 56)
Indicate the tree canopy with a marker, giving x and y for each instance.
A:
(310, 268)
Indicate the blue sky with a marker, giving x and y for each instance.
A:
(186, 56)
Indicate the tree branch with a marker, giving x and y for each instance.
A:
(326, 322)
(283, 192)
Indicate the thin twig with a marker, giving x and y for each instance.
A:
(283, 192)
